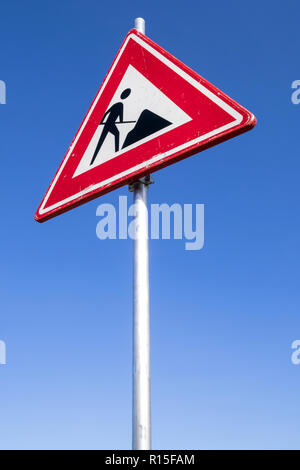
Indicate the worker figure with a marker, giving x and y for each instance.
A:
(114, 112)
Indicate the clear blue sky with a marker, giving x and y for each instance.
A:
(222, 318)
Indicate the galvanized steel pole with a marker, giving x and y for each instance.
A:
(141, 413)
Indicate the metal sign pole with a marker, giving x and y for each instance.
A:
(141, 417)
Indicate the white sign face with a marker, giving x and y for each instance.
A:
(137, 113)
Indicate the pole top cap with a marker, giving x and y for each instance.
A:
(139, 24)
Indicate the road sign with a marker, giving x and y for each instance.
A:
(150, 111)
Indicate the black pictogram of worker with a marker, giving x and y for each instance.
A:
(114, 113)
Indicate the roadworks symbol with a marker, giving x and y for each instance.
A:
(137, 113)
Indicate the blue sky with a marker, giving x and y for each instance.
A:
(222, 318)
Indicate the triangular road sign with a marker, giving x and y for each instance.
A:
(150, 111)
